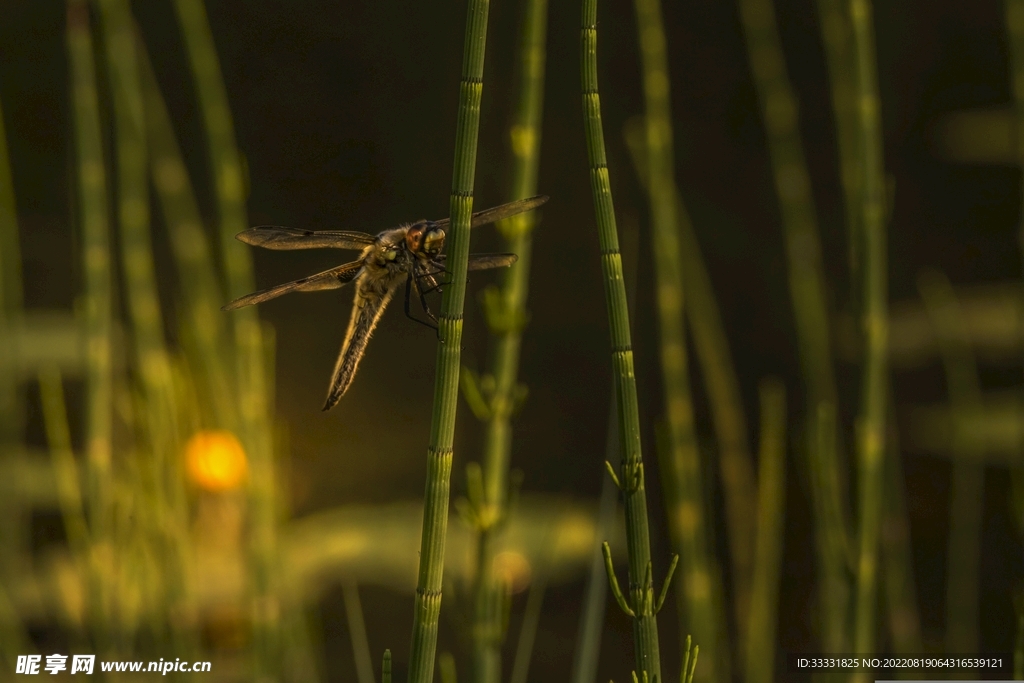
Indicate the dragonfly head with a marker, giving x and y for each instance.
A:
(425, 237)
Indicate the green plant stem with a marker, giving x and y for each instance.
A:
(834, 554)
(631, 475)
(588, 637)
(96, 304)
(837, 38)
(427, 607)
(357, 632)
(897, 557)
(506, 316)
(528, 632)
(201, 291)
(716, 364)
(159, 428)
(875, 320)
(759, 664)
(967, 496)
(58, 436)
(780, 111)
(687, 513)
(250, 372)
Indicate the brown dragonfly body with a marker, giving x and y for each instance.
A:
(409, 254)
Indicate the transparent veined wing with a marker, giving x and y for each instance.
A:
(329, 279)
(501, 212)
(281, 238)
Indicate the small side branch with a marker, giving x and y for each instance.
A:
(668, 581)
(613, 582)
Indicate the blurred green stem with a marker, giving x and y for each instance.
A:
(96, 304)
(449, 350)
(686, 507)
(631, 473)
(871, 424)
(967, 490)
(837, 38)
(506, 316)
(528, 632)
(897, 557)
(202, 293)
(251, 394)
(780, 111)
(357, 632)
(58, 437)
(759, 664)
(834, 553)
(717, 368)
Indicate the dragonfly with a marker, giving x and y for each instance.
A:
(410, 254)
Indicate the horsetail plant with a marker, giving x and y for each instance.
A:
(898, 563)
(427, 609)
(698, 607)
(96, 307)
(506, 314)
(202, 295)
(250, 339)
(780, 111)
(837, 39)
(875, 321)
(641, 604)
(159, 478)
(719, 371)
(963, 556)
(759, 660)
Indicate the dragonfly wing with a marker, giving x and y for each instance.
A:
(488, 261)
(476, 262)
(329, 279)
(366, 313)
(281, 238)
(498, 213)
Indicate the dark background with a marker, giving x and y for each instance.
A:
(345, 112)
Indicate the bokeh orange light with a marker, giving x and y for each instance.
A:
(215, 461)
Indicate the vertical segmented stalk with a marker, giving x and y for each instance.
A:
(631, 474)
(96, 304)
(449, 350)
(837, 38)
(759, 663)
(254, 426)
(967, 495)
(780, 111)
(870, 483)
(506, 316)
(159, 477)
(897, 557)
(687, 514)
(201, 292)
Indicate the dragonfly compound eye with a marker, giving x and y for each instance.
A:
(433, 241)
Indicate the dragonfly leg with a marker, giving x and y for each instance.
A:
(408, 312)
